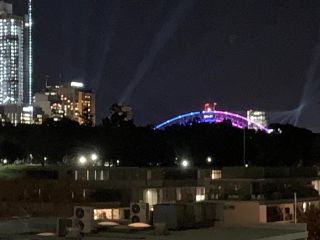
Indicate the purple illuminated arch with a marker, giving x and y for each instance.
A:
(212, 116)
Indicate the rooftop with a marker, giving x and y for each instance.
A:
(221, 232)
(269, 172)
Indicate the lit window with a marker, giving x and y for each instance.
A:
(178, 194)
(200, 194)
(216, 174)
(88, 175)
(151, 196)
(304, 207)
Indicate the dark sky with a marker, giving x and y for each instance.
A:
(176, 55)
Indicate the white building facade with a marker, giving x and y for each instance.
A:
(258, 117)
(11, 56)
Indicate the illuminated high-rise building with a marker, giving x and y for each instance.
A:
(258, 117)
(68, 101)
(86, 107)
(11, 56)
(28, 55)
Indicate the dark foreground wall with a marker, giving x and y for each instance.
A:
(38, 209)
(27, 225)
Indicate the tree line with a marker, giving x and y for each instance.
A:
(62, 142)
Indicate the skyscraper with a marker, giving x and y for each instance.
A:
(11, 56)
(28, 50)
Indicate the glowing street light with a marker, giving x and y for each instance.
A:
(185, 163)
(82, 160)
(94, 157)
(209, 159)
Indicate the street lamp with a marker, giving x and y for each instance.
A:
(209, 159)
(94, 157)
(82, 160)
(185, 163)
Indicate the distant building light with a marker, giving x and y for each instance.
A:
(216, 174)
(200, 194)
(200, 198)
(270, 130)
(28, 109)
(77, 84)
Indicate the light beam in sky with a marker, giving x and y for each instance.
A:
(159, 41)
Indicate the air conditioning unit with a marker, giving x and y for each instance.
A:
(125, 213)
(139, 212)
(83, 217)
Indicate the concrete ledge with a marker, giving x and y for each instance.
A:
(292, 236)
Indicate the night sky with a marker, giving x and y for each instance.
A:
(169, 57)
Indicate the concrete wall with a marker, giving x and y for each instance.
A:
(46, 209)
(251, 212)
(27, 225)
(241, 212)
(36, 209)
(263, 214)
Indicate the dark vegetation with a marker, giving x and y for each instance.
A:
(62, 142)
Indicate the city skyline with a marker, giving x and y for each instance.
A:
(141, 118)
(255, 58)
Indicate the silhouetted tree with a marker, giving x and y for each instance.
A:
(143, 146)
(11, 151)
